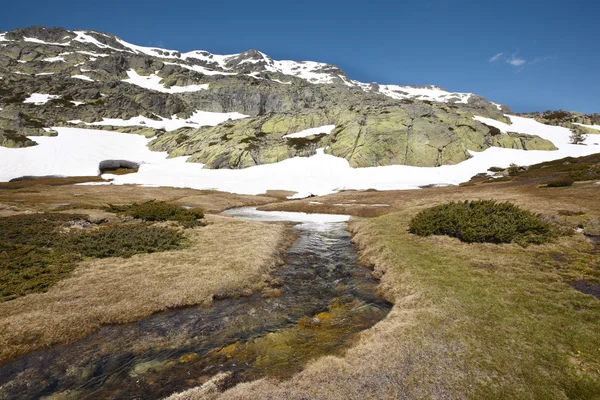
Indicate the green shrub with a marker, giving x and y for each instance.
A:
(482, 221)
(513, 170)
(496, 169)
(160, 211)
(561, 182)
(120, 241)
(35, 229)
(30, 269)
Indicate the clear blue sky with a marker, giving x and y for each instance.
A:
(529, 54)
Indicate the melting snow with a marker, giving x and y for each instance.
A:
(152, 82)
(40, 98)
(312, 131)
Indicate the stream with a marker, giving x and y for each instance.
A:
(322, 299)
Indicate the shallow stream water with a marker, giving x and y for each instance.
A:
(322, 299)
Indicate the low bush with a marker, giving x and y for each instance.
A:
(120, 241)
(30, 269)
(38, 230)
(482, 221)
(159, 211)
(561, 182)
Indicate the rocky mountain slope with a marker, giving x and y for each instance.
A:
(54, 77)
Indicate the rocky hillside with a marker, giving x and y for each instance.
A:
(279, 109)
(567, 119)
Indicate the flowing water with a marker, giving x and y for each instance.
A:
(322, 298)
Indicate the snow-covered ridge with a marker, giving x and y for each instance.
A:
(234, 64)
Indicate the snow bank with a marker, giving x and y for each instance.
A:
(326, 129)
(74, 152)
(79, 151)
(39, 98)
(152, 82)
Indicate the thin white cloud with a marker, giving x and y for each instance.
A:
(496, 57)
(516, 61)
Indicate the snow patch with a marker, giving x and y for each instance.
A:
(152, 82)
(39, 98)
(34, 40)
(83, 78)
(311, 131)
(54, 59)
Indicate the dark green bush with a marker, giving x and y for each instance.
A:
(561, 182)
(482, 221)
(120, 241)
(160, 211)
(35, 229)
(30, 269)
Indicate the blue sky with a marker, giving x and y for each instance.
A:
(532, 55)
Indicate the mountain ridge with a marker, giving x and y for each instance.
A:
(57, 77)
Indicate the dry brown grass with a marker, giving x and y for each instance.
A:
(582, 196)
(224, 259)
(49, 197)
